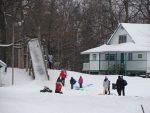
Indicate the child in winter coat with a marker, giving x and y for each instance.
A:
(106, 85)
(63, 76)
(58, 87)
(80, 81)
(72, 82)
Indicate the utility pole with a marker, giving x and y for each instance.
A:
(13, 55)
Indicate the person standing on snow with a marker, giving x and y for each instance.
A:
(106, 85)
(80, 81)
(121, 83)
(63, 76)
(50, 61)
(72, 82)
(65, 73)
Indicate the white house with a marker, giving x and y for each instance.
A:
(126, 52)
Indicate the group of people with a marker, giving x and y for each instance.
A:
(61, 82)
(120, 86)
(73, 81)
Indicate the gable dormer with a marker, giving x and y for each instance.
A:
(120, 36)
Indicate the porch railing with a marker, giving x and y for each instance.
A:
(86, 67)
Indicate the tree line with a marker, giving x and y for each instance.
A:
(67, 27)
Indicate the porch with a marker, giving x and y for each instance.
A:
(124, 63)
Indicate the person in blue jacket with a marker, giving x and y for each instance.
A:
(72, 82)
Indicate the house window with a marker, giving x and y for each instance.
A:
(110, 57)
(106, 56)
(130, 56)
(94, 56)
(139, 55)
(122, 39)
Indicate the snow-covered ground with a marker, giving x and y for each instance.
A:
(25, 96)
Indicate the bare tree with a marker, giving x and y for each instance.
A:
(145, 10)
(2, 31)
(67, 27)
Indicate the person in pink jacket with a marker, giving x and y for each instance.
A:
(80, 81)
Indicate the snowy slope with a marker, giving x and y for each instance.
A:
(37, 60)
(24, 96)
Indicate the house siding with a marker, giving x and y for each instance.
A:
(136, 63)
(94, 63)
(148, 62)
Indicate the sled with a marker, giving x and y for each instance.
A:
(106, 94)
(101, 94)
(43, 91)
(46, 89)
(78, 88)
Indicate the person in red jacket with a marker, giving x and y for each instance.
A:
(58, 87)
(80, 81)
(63, 76)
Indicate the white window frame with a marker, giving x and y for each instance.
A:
(122, 39)
(94, 56)
(140, 55)
(130, 56)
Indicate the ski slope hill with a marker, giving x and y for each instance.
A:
(25, 96)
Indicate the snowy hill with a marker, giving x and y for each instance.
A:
(25, 96)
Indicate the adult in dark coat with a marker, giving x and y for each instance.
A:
(72, 82)
(120, 83)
